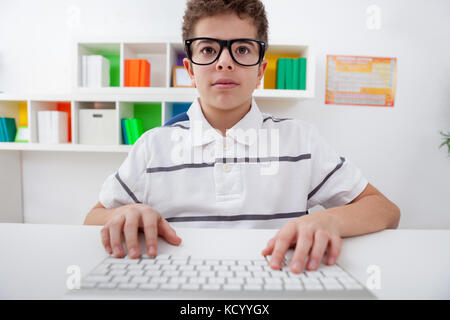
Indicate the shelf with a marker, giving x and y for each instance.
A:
(70, 147)
(155, 104)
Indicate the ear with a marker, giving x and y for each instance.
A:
(261, 69)
(190, 70)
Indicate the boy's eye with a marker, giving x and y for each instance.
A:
(208, 50)
(242, 50)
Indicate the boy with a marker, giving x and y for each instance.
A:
(227, 185)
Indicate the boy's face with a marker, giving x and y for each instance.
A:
(225, 27)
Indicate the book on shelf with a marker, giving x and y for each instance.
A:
(95, 71)
(132, 129)
(137, 73)
(8, 129)
(52, 127)
(291, 73)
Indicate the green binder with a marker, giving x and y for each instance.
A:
(296, 76)
(281, 73)
(289, 74)
(128, 131)
(302, 82)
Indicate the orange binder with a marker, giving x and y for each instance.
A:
(144, 80)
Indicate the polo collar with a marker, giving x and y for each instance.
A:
(203, 133)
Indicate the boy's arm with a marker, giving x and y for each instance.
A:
(98, 215)
(322, 231)
(371, 211)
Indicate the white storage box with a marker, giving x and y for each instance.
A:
(97, 126)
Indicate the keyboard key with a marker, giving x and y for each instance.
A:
(179, 280)
(121, 279)
(148, 286)
(243, 274)
(169, 267)
(235, 280)
(190, 286)
(273, 280)
(189, 273)
(293, 287)
(212, 262)
(198, 280)
(162, 257)
(97, 278)
(211, 287)
(273, 287)
(333, 286)
(152, 267)
(120, 266)
(232, 287)
(313, 287)
(203, 268)
(249, 280)
(140, 279)
(228, 262)
(186, 268)
(152, 273)
(117, 272)
(159, 279)
(135, 273)
(353, 286)
(224, 274)
(253, 287)
(170, 273)
(127, 286)
(107, 285)
(216, 280)
(169, 286)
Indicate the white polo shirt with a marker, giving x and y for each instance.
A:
(266, 171)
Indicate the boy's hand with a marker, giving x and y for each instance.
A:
(313, 234)
(129, 219)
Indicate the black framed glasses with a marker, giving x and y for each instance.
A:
(244, 51)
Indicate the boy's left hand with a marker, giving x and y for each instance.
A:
(311, 234)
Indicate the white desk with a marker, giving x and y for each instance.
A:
(414, 264)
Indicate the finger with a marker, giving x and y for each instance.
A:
(304, 243)
(150, 226)
(334, 250)
(167, 232)
(104, 234)
(115, 234)
(320, 244)
(284, 239)
(269, 247)
(130, 230)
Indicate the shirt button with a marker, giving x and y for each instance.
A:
(226, 168)
(225, 146)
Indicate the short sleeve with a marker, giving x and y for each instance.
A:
(334, 181)
(127, 184)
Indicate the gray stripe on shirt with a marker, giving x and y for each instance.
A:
(125, 187)
(239, 217)
(231, 160)
(312, 193)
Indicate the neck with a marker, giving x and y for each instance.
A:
(224, 119)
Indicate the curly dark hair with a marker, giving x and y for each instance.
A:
(198, 9)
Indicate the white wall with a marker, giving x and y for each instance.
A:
(396, 148)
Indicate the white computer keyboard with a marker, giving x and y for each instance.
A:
(166, 273)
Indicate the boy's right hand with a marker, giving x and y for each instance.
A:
(129, 219)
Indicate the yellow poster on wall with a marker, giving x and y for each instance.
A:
(364, 81)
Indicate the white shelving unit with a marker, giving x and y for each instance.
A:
(25, 164)
(162, 56)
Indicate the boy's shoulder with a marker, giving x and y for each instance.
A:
(289, 124)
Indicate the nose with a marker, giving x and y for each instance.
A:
(225, 61)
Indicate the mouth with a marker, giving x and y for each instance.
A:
(225, 84)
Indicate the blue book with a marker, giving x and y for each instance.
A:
(124, 131)
(2, 130)
(11, 129)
